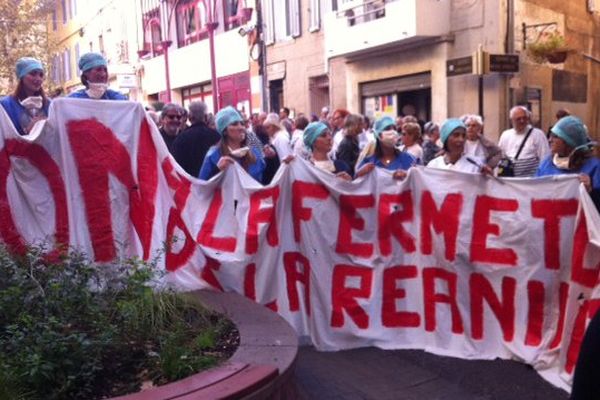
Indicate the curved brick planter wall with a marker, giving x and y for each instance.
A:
(261, 368)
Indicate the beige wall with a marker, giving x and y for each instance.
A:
(579, 27)
(304, 58)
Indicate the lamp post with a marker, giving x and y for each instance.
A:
(243, 14)
(165, 43)
(211, 26)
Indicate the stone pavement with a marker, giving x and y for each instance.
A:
(371, 373)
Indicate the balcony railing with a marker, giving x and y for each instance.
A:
(360, 26)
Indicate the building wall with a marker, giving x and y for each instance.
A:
(580, 28)
(102, 26)
(304, 58)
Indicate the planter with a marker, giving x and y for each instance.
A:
(261, 368)
(557, 57)
(245, 14)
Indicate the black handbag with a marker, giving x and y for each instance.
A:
(506, 166)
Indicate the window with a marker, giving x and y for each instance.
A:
(191, 20)
(77, 53)
(282, 19)
(268, 21)
(64, 10)
(315, 15)
(67, 64)
(56, 69)
(152, 38)
(230, 14)
(199, 92)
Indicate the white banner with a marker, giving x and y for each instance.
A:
(456, 264)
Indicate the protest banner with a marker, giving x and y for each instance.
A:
(456, 264)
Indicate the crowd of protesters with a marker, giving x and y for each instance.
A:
(345, 145)
(349, 145)
(341, 143)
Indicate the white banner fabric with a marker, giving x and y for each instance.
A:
(455, 264)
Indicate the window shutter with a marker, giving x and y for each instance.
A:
(315, 15)
(268, 23)
(295, 22)
(77, 54)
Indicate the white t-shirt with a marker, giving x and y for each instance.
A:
(474, 148)
(461, 165)
(337, 139)
(281, 142)
(414, 150)
(535, 149)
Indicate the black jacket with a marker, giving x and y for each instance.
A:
(192, 144)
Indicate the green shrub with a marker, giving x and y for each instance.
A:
(73, 329)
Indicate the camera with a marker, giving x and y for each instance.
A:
(244, 30)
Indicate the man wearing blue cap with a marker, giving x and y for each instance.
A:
(94, 76)
(28, 104)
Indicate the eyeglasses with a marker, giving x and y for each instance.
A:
(171, 116)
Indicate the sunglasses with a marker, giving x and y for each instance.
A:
(236, 123)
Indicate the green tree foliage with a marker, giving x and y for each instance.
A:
(23, 32)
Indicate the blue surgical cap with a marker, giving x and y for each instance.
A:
(383, 123)
(27, 64)
(449, 126)
(572, 131)
(91, 60)
(226, 117)
(312, 132)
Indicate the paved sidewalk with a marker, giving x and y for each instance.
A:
(371, 373)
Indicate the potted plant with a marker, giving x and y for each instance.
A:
(72, 329)
(550, 47)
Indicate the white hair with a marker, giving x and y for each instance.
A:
(517, 108)
(472, 117)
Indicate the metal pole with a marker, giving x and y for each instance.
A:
(262, 59)
(211, 26)
(166, 44)
(481, 95)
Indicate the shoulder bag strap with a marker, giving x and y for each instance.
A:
(523, 143)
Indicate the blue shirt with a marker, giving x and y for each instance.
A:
(591, 167)
(209, 166)
(18, 114)
(402, 161)
(108, 95)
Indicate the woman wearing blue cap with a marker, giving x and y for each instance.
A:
(319, 141)
(94, 76)
(572, 154)
(385, 154)
(28, 103)
(231, 148)
(453, 135)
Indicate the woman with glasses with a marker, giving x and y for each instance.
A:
(384, 154)
(478, 145)
(231, 148)
(28, 104)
